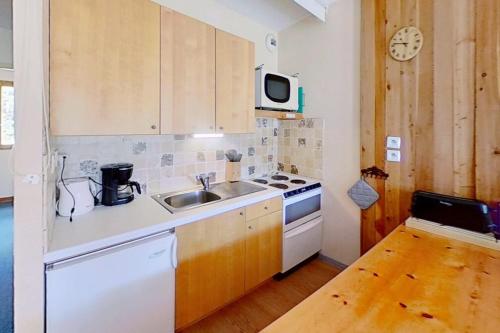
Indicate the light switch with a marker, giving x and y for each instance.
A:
(393, 142)
(393, 155)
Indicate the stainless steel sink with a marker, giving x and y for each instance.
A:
(188, 199)
(180, 201)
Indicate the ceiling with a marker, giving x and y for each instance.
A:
(275, 14)
(6, 14)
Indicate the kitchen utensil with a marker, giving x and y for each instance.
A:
(232, 155)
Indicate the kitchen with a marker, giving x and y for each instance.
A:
(164, 110)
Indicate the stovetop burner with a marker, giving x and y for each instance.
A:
(260, 181)
(280, 186)
(279, 177)
(298, 181)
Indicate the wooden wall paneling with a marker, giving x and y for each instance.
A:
(380, 88)
(373, 114)
(409, 72)
(442, 129)
(393, 105)
(488, 100)
(463, 90)
(424, 136)
(367, 100)
(429, 101)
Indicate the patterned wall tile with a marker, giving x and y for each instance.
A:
(165, 163)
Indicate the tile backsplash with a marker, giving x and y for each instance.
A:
(171, 162)
(300, 147)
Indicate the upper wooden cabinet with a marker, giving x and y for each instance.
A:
(104, 67)
(235, 84)
(121, 67)
(188, 74)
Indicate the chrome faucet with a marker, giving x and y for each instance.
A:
(204, 180)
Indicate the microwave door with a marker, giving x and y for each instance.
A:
(277, 88)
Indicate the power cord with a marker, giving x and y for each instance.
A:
(71, 194)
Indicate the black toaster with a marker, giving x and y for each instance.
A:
(457, 212)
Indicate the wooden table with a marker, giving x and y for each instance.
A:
(412, 281)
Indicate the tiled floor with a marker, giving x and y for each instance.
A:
(6, 286)
(267, 303)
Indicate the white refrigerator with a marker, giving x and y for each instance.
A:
(126, 288)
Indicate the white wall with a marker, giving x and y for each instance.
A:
(221, 17)
(327, 58)
(29, 244)
(6, 181)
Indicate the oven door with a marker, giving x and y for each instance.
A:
(301, 243)
(302, 208)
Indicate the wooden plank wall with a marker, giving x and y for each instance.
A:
(444, 104)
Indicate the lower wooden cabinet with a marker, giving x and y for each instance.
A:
(223, 257)
(263, 245)
(211, 270)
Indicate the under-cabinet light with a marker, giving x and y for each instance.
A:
(208, 135)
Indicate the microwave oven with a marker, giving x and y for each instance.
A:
(274, 91)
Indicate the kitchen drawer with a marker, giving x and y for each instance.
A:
(264, 208)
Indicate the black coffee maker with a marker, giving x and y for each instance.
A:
(116, 187)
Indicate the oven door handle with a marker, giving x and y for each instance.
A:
(303, 228)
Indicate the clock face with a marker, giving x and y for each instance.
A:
(406, 43)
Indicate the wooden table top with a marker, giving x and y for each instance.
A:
(412, 281)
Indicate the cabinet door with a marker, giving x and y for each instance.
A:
(211, 270)
(263, 248)
(104, 67)
(188, 74)
(235, 87)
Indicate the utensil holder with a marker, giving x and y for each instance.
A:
(233, 171)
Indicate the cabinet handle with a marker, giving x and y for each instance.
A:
(265, 207)
(241, 213)
(250, 227)
(153, 126)
(221, 127)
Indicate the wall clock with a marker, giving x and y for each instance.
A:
(406, 43)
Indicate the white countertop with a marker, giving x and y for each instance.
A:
(107, 226)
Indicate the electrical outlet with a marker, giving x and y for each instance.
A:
(60, 157)
(393, 155)
(393, 142)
